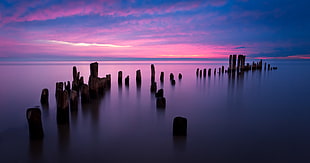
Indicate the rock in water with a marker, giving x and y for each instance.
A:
(44, 97)
(33, 116)
(179, 126)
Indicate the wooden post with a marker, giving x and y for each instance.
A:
(120, 77)
(197, 72)
(223, 69)
(179, 126)
(153, 87)
(152, 73)
(33, 116)
(74, 100)
(162, 77)
(209, 72)
(180, 76)
(127, 81)
(85, 93)
(204, 72)
(94, 69)
(138, 77)
(160, 93)
(63, 108)
(44, 97)
(161, 102)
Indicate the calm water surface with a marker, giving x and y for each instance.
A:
(261, 116)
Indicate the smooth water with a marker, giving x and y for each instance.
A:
(260, 116)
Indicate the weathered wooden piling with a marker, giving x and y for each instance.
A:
(74, 100)
(265, 65)
(197, 72)
(127, 80)
(214, 71)
(153, 87)
(68, 87)
(180, 76)
(33, 116)
(209, 72)
(162, 77)
(44, 97)
(120, 77)
(74, 73)
(138, 77)
(85, 94)
(108, 77)
(159, 93)
(59, 89)
(171, 76)
(93, 83)
(223, 69)
(94, 69)
(161, 102)
(63, 108)
(204, 72)
(152, 73)
(179, 126)
(268, 66)
(200, 73)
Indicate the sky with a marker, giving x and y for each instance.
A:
(56, 29)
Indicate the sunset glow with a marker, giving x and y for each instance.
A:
(152, 29)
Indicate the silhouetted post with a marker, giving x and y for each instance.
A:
(108, 77)
(265, 65)
(59, 89)
(63, 108)
(223, 69)
(180, 76)
(171, 76)
(230, 63)
(209, 72)
(200, 73)
(127, 80)
(160, 93)
(74, 73)
(214, 71)
(74, 100)
(138, 77)
(179, 126)
(172, 79)
(120, 77)
(268, 66)
(85, 93)
(204, 72)
(153, 87)
(220, 71)
(161, 102)
(93, 80)
(152, 73)
(234, 62)
(67, 87)
(33, 116)
(197, 72)
(162, 77)
(44, 97)
(94, 69)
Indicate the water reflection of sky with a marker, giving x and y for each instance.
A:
(260, 116)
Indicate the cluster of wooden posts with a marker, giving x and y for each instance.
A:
(240, 66)
(68, 98)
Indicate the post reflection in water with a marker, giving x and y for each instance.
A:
(63, 139)
(36, 149)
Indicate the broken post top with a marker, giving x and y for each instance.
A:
(94, 69)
